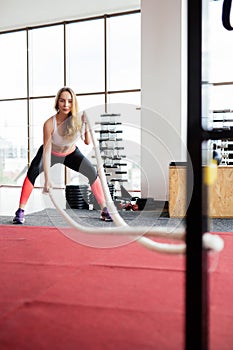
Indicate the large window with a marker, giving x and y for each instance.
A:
(46, 60)
(220, 47)
(13, 140)
(99, 58)
(85, 56)
(217, 70)
(13, 65)
(124, 52)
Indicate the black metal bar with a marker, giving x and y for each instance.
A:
(64, 81)
(64, 52)
(220, 83)
(196, 322)
(217, 134)
(78, 94)
(105, 63)
(28, 102)
(123, 91)
(13, 99)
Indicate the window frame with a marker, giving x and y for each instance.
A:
(28, 98)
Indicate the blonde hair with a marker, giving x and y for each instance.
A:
(73, 124)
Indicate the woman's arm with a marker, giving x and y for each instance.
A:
(47, 134)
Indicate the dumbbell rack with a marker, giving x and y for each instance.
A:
(223, 120)
(111, 148)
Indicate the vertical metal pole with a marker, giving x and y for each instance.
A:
(105, 64)
(196, 259)
(64, 53)
(28, 100)
(64, 79)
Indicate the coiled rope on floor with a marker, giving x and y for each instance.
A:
(210, 241)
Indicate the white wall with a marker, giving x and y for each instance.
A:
(16, 14)
(163, 93)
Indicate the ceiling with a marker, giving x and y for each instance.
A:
(23, 13)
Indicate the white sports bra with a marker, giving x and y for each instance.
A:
(57, 139)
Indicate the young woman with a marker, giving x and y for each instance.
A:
(60, 133)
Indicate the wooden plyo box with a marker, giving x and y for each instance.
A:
(220, 193)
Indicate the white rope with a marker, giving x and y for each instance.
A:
(212, 242)
(129, 231)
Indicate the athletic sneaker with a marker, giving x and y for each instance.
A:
(105, 216)
(19, 217)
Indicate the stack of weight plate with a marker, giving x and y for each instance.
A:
(111, 189)
(77, 196)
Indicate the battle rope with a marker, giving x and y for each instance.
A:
(211, 242)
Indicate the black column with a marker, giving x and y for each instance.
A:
(196, 323)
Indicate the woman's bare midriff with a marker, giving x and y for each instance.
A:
(62, 150)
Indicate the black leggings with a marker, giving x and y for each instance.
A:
(75, 161)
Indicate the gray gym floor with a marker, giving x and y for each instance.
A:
(40, 213)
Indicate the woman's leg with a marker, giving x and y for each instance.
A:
(25, 192)
(97, 190)
(36, 167)
(78, 162)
